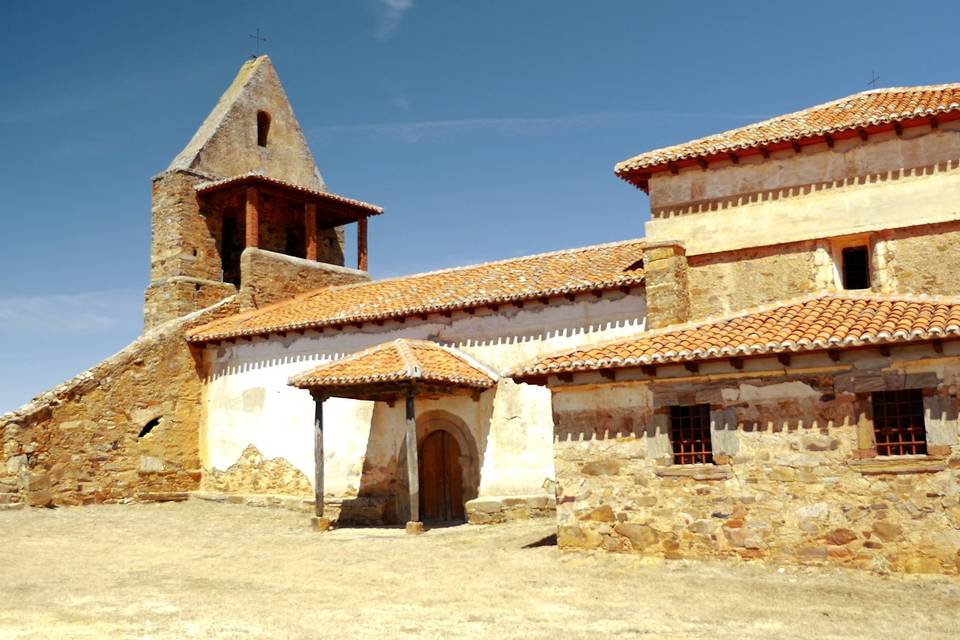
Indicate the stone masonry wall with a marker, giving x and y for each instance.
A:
(922, 259)
(728, 282)
(268, 277)
(792, 482)
(126, 429)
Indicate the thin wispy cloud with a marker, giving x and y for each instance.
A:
(390, 14)
(73, 313)
(413, 132)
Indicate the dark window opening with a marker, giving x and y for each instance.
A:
(295, 243)
(231, 246)
(898, 424)
(856, 268)
(150, 426)
(690, 434)
(263, 127)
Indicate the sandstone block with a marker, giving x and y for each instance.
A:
(640, 536)
(840, 537)
(414, 528)
(573, 536)
(604, 467)
(887, 531)
(321, 523)
(603, 513)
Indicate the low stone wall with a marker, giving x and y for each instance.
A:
(267, 277)
(793, 481)
(493, 510)
(126, 429)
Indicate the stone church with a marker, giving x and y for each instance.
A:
(771, 373)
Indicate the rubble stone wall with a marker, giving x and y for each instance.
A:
(126, 429)
(794, 480)
(269, 277)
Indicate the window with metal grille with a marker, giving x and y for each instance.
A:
(856, 268)
(690, 434)
(898, 422)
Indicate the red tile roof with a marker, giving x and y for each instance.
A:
(829, 321)
(402, 360)
(599, 267)
(859, 111)
(253, 177)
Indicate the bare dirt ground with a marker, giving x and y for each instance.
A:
(209, 570)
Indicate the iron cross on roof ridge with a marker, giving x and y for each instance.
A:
(873, 80)
(259, 39)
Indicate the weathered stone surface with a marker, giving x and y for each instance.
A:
(887, 531)
(492, 510)
(252, 474)
(640, 536)
(266, 276)
(79, 443)
(604, 467)
(840, 536)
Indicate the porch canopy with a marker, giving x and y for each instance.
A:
(403, 368)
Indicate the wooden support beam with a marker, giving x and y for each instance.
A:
(829, 140)
(863, 134)
(318, 454)
(597, 293)
(834, 354)
(934, 123)
(310, 229)
(673, 168)
(898, 129)
(565, 376)
(362, 261)
(765, 152)
(692, 367)
(570, 297)
(413, 462)
(495, 307)
(938, 346)
(252, 218)
(734, 158)
(609, 374)
(736, 363)
(703, 163)
(885, 350)
(797, 148)
(649, 370)
(784, 359)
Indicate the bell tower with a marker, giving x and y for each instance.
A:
(243, 209)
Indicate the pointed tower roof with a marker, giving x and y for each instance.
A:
(228, 142)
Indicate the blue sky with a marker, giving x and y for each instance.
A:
(485, 129)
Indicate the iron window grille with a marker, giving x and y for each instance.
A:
(898, 422)
(690, 434)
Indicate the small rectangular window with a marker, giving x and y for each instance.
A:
(898, 422)
(856, 268)
(690, 434)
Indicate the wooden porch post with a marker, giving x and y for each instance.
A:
(310, 229)
(252, 222)
(320, 523)
(362, 244)
(413, 468)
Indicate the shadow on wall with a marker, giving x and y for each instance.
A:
(309, 356)
(383, 496)
(800, 190)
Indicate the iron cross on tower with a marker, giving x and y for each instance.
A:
(259, 39)
(873, 79)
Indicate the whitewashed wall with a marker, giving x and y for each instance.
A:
(249, 402)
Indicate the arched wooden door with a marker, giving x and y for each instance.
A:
(441, 478)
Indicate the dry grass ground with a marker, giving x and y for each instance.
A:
(212, 570)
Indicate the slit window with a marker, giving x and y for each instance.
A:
(263, 128)
(856, 268)
(690, 434)
(898, 424)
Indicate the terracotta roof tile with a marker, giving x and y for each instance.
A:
(830, 321)
(584, 269)
(869, 108)
(216, 185)
(401, 360)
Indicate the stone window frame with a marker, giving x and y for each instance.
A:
(724, 442)
(936, 429)
(837, 245)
